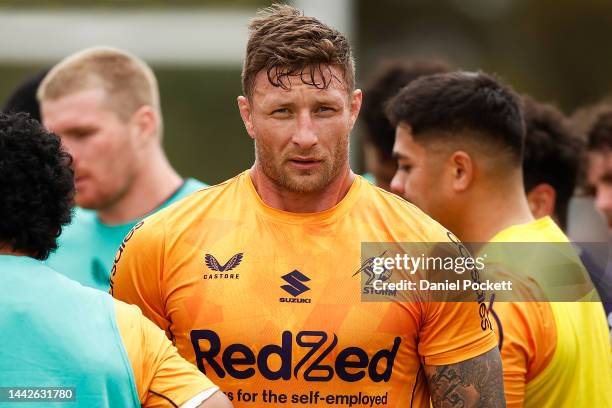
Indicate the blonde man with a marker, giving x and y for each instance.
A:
(104, 104)
(95, 351)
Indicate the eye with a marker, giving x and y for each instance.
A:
(404, 167)
(280, 111)
(81, 133)
(325, 109)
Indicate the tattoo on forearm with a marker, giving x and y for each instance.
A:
(477, 382)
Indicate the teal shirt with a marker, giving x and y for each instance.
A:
(57, 333)
(369, 177)
(87, 246)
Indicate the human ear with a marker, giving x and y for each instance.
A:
(541, 200)
(462, 167)
(244, 106)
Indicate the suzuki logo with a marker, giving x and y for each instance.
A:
(295, 286)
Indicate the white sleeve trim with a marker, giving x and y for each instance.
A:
(201, 397)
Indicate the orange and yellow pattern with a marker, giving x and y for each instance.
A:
(268, 305)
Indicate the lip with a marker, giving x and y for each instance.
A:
(304, 163)
(80, 180)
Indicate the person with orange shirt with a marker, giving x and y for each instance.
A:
(463, 133)
(62, 342)
(255, 279)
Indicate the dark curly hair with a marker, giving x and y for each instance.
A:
(552, 153)
(599, 135)
(36, 186)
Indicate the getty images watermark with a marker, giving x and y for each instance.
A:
(452, 271)
(407, 264)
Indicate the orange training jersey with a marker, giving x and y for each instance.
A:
(268, 305)
(554, 354)
(161, 375)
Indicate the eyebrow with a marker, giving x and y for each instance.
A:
(79, 129)
(606, 177)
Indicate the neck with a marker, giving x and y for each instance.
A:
(298, 202)
(154, 184)
(491, 212)
(9, 251)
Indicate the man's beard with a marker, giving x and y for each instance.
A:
(303, 181)
(104, 200)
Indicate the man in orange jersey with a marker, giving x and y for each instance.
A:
(254, 279)
(464, 134)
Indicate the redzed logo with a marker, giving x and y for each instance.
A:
(239, 361)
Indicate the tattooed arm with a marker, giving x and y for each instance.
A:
(477, 382)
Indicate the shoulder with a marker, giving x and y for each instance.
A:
(194, 204)
(64, 287)
(189, 187)
(192, 185)
(399, 215)
(83, 221)
(129, 318)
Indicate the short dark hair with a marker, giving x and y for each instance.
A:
(37, 186)
(458, 101)
(23, 98)
(284, 42)
(599, 135)
(386, 82)
(553, 153)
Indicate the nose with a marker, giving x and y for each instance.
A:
(305, 135)
(397, 184)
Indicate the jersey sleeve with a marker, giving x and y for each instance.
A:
(162, 377)
(527, 337)
(459, 329)
(137, 271)
(452, 332)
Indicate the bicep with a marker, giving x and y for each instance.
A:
(474, 382)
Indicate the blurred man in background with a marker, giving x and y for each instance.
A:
(104, 104)
(261, 269)
(551, 161)
(379, 135)
(599, 181)
(599, 174)
(23, 98)
(551, 169)
(56, 333)
(459, 145)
